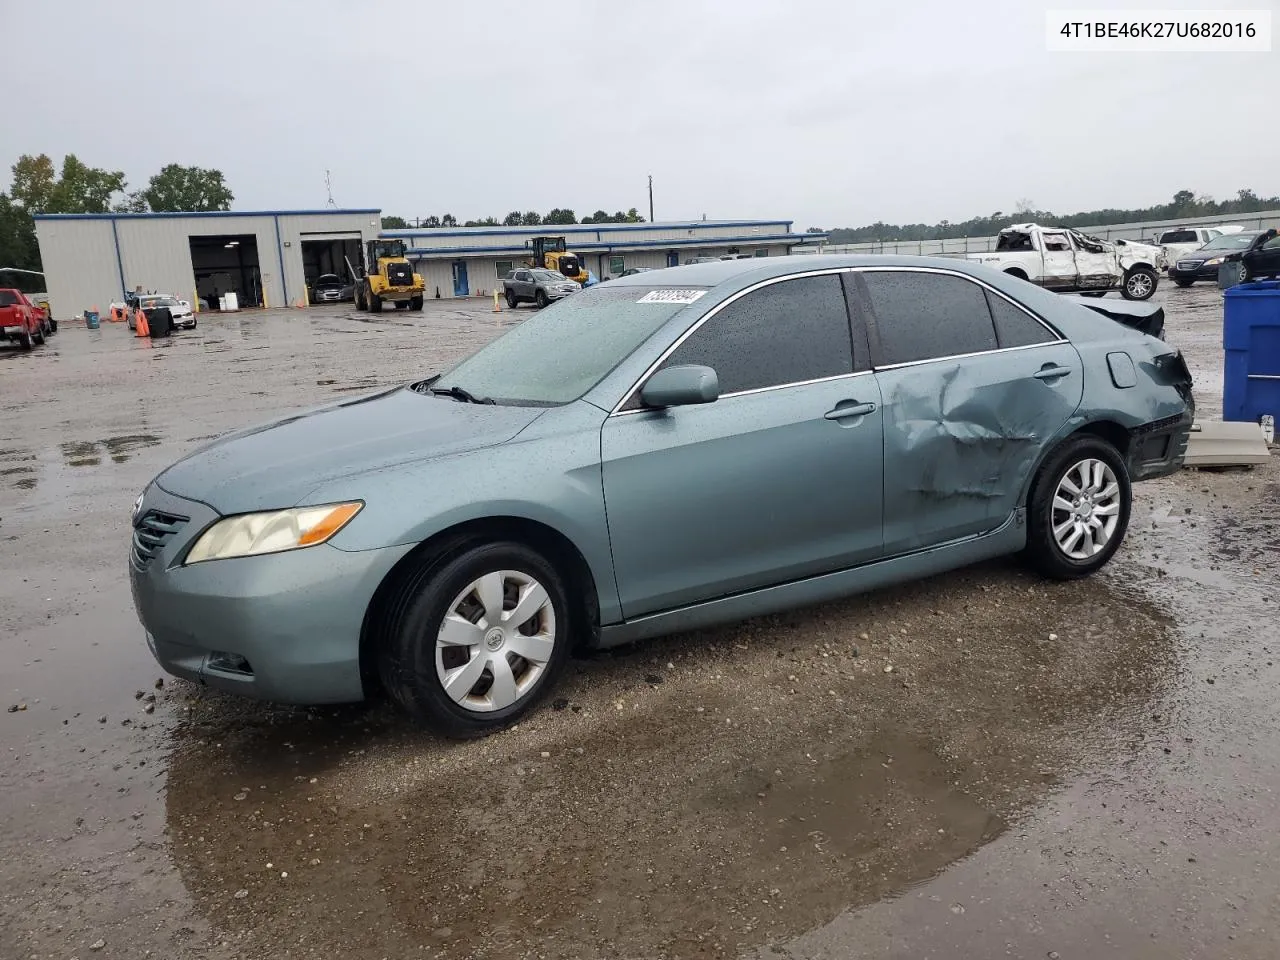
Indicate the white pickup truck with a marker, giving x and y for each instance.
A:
(1062, 259)
(1182, 240)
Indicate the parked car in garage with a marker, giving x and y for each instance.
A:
(1261, 261)
(642, 458)
(1203, 264)
(183, 316)
(329, 288)
(536, 285)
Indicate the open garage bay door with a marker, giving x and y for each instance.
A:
(224, 264)
(329, 253)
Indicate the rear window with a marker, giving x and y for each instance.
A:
(1179, 236)
(8, 298)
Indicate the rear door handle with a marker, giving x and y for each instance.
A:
(1051, 371)
(849, 408)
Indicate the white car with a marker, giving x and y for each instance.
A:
(180, 310)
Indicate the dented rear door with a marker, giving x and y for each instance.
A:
(973, 387)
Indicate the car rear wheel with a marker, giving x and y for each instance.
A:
(25, 340)
(477, 638)
(512, 302)
(37, 334)
(1078, 511)
(415, 303)
(1183, 282)
(1140, 284)
(1244, 273)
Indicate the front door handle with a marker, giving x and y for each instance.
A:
(849, 408)
(1051, 371)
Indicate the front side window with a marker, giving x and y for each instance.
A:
(924, 316)
(788, 332)
(1055, 242)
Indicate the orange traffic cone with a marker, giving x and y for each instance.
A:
(143, 330)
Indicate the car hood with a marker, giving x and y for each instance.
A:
(277, 464)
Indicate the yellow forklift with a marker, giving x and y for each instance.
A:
(387, 276)
(550, 253)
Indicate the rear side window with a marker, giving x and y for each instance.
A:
(1015, 327)
(923, 316)
(787, 332)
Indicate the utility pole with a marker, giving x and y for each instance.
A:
(329, 187)
(651, 198)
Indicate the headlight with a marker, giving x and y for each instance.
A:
(1214, 262)
(251, 534)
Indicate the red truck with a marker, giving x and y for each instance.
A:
(21, 320)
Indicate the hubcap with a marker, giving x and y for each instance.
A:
(496, 641)
(1086, 509)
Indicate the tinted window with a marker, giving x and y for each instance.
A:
(1272, 244)
(8, 299)
(920, 316)
(1015, 327)
(786, 332)
(1179, 236)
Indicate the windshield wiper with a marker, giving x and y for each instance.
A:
(459, 394)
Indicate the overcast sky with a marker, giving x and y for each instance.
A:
(828, 113)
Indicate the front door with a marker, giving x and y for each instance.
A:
(673, 259)
(460, 285)
(778, 479)
(1059, 262)
(1095, 264)
(974, 389)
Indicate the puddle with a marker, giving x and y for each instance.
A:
(88, 453)
(767, 779)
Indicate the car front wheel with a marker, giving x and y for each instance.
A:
(1183, 281)
(1078, 511)
(477, 638)
(1140, 284)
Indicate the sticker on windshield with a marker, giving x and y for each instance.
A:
(671, 296)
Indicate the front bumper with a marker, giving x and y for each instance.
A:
(283, 627)
(1201, 272)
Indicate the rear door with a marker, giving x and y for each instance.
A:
(778, 479)
(1095, 264)
(1059, 260)
(973, 388)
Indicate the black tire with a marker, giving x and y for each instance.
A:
(407, 654)
(37, 335)
(375, 303)
(512, 302)
(416, 304)
(1244, 273)
(1042, 550)
(358, 297)
(1139, 284)
(25, 340)
(1183, 281)
(402, 304)
(540, 298)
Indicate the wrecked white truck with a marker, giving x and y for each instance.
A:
(1067, 261)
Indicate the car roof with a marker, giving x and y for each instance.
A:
(717, 272)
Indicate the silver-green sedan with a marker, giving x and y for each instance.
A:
(672, 449)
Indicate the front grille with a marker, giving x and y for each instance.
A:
(569, 266)
(151, 532)
(1189, 264)
(399, 274)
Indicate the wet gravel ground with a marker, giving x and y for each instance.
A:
(981, 764)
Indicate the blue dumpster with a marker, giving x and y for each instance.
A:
(1251, 339)
(91, 319)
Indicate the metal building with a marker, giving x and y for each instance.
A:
(471, 261)
(266, 257)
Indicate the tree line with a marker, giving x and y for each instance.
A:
(1185, 204)
(37, 186)
(515, 218)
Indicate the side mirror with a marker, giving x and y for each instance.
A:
(681, 386)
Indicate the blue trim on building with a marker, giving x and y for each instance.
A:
(284, 284)
(115, 235)
(554, 230)
(206, 213)
(604, 246)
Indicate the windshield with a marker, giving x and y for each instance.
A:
(1231, 241)
(151, 302)
(564, 350)
(547, 275)
(328, 280)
